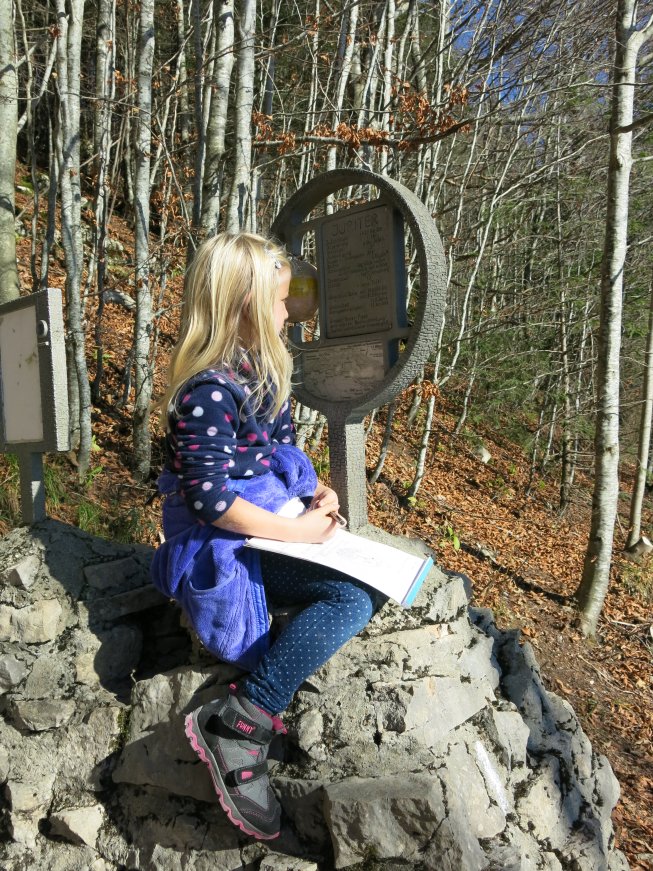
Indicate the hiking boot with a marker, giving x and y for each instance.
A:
(232, 737)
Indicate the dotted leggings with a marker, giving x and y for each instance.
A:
(337, 608)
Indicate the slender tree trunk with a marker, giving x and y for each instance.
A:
(593, 587)
(386, 97)
(346, 51)
(104, 91)
(423, 448)
(200, 123)
(240, 206)
(184, 114)
(223, 20)
(143, 323)
(69, 44)
(53, 187)
(132, 43)
(387, 432)
(9, 285)
(269, 70)
(635, 522)
(29, 121)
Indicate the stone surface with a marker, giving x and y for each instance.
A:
(428, 742)
(33, 624)
(278, 862)
(24, 573)
(38, 716)
(49, 677)
(81, 825)
(12, 672)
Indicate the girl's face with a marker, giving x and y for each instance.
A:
(283, 289)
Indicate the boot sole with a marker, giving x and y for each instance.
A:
(199, 746)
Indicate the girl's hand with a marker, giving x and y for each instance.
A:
(325, 497)
(315, 526)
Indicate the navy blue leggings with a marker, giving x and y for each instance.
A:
(336, 609)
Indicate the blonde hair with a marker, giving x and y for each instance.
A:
(228, 318)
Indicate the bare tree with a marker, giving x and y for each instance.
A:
(143, 321)
(239, 210)
(635, 522)
(9, 285)
(104, 92)
(630, 36)
(69, 45)
(223, 21)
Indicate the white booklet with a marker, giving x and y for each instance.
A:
(393, 572)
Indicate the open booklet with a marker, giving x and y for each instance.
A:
(393, 572)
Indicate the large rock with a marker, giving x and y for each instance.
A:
(428, 742)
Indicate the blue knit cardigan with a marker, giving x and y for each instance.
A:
(210, 572)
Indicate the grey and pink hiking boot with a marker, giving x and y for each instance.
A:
(232, 737)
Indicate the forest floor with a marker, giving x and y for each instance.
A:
(524, 559)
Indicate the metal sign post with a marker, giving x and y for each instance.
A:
(33, 390)
(366, 351)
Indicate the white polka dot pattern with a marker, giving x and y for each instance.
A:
(215, 438)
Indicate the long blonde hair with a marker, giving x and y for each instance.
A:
(228, 318)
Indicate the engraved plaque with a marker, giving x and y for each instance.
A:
(21, 377)
(33, 378)
(357, 249)
(344, 372)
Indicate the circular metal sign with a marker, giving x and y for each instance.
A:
(367, 351)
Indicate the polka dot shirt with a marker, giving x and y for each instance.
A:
(214, 436)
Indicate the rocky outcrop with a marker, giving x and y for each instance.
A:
(429, 742)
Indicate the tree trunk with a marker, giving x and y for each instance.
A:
(143, 321)
(239, 209)
(635, 523)
(68, 78)
(9, 286)
(223, 20)
(29, 122)
(346, 51)
(593, 587)
(385, 443)
(184, 113)
(104, 91)
(53, 187)
(386, 99)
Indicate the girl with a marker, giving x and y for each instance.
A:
(231, 465)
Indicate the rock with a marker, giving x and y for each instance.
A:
(436, 707)
(427, 742)
(157, 752)
(277, 862)
(33, 624)
(107, 656)
(396, 818)
(49, 677)
(28, 801)
(24, 573)
(80, 825)
(101, 734)
(4, 765)
(303, 801)
(482, 453)
(309, 729)
(548, 806)
(115, 576)
(12, 672)
(38, 716)
(509, 732)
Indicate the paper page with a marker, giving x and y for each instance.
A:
(388, 569)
